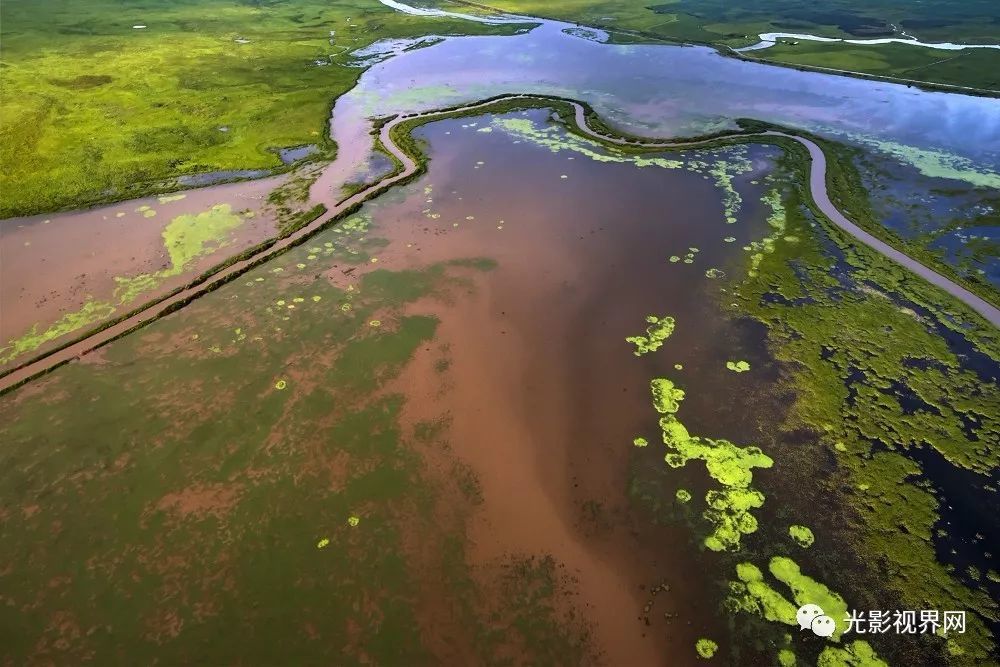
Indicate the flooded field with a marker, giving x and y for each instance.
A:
(432, 434)
(70, 271)
(450, 368)
(933, 182)
(548, 403)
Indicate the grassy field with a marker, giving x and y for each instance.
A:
(975, 68)
(96, 109)
(737, 24)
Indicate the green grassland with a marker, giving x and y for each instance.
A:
(976, 68)
(735, 24)
(93, 109)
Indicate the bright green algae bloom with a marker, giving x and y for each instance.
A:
(666, 397)
(936, 164)
(640, 442)
(777, 221)
(706, 648)
(659, 330)
(92, 311)
(727, 463)
(802, 535)
(753, 594)
(738, 366)
(856, 654)
(683, 496)
(185, 238)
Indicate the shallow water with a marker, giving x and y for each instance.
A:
(56, 264)
(669, 90)
(527, 361)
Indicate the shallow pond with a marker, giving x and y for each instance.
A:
(470, 325)
(431, 413)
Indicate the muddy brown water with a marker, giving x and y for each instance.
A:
(52, 264)
(544, 393)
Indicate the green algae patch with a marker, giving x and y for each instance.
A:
(754, 595)
(729, 508)
(806, 590)
(186, 238)
(786, 657)
(280, 384)
(936, 164)
(353, 521)
(724, 173)
(666, 397)
(856, 654)
(683, 496)
(323, 543)
(657, 332)
(738, 366)
(705, 648)
(640, 442)
(777, 222)
(556, 140)
(91, 312)
(802, 535)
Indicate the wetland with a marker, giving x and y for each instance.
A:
(517, 385)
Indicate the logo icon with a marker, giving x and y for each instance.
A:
(811, 616)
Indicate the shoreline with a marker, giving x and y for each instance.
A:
(737, 53)
(326, 144)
